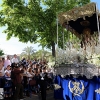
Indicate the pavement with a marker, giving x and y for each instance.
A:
(50, 96)
(38, 96)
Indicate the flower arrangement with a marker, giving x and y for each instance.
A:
(73, 55)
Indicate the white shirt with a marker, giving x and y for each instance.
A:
(29, 75)
(15, 60)
(9, 72)
(6, 63)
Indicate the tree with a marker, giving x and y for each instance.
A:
(1, 52)
(35, 21)
(43, 54)
(28, 52)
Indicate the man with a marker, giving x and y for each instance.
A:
(43, 83)
(17, 80)
(15, 59)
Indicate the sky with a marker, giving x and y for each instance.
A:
(97, 2)
(13, 46)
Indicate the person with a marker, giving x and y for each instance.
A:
(43, 83)
(8, 82)
(2, 80)
(23, 61)
(17, 73)
(30, 64)
(50, 78)
(30, 74)
(1, 68)
(15, 59)
(7, 62)
(2, 73)
(8, 72)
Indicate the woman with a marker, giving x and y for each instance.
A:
(2, 73)
(30, 74)
(8, 81)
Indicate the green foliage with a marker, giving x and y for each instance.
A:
(1, 52)
(35, 21)
(43, 54)
(28, 52)
(31, 53)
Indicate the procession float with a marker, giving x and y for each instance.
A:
(77, 69)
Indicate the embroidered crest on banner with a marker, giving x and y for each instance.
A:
(97, 91)
(77, 89)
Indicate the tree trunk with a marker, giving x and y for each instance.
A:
(53, 49)
(28, 57)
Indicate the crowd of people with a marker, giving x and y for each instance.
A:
(24, 77)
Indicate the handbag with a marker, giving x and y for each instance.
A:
(32, 82)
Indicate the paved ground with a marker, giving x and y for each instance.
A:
(38, 97)
(50, 96)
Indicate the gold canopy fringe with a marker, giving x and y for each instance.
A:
(80, 12)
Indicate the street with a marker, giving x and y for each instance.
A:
(38, 97)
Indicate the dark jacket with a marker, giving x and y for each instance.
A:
(44, 80)
(17, 76)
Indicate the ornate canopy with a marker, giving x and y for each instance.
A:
(80, 18)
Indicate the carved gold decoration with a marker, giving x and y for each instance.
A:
(74, 14)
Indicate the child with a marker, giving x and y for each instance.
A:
(8, 81)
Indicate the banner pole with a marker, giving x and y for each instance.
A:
(98, 22)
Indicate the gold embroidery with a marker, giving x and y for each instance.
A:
(76, 90)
